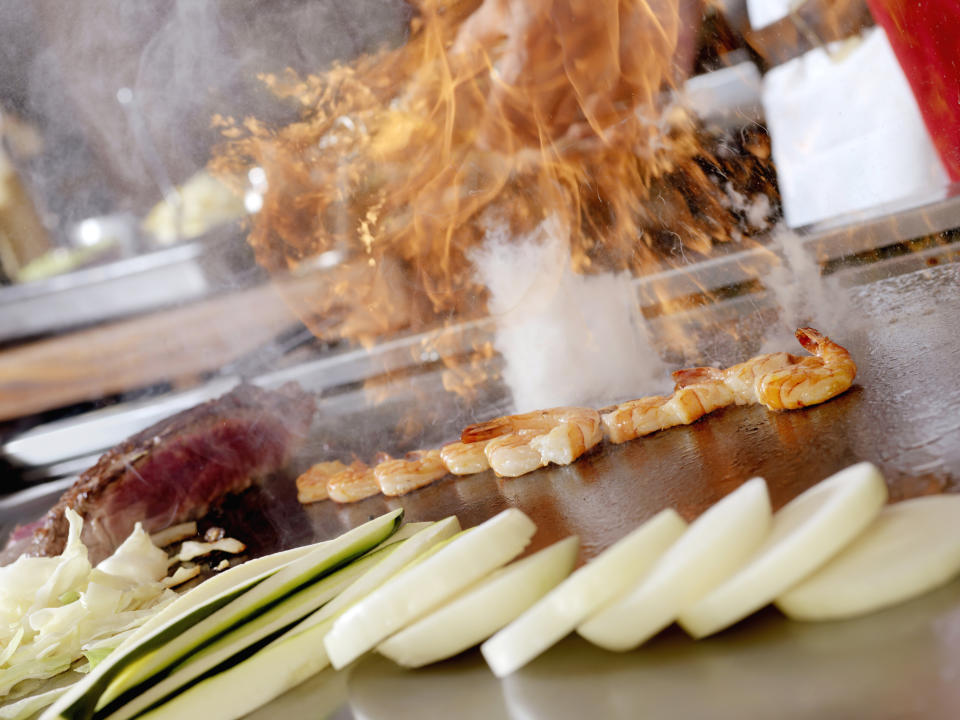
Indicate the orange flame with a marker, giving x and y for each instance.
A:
(500, 110)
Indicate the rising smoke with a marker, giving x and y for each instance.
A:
(566, 339)
(803, 295)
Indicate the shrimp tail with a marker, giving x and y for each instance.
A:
(695, 376)
(811, 340)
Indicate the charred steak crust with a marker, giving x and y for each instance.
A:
(176, 469)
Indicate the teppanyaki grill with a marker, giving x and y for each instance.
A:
(894, 416)
(897, 321)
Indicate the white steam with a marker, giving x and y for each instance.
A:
(566, 339)
(803, 295)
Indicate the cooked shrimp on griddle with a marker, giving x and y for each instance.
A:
(828, 372)
(779, 381)
(419, 468)
(569, 440)
(354, 483)
(648, 415)
(634, 418)
(512, 455)
(312, 484)
(514, 445)
(741, 379)
(464, 458)
(521, 443)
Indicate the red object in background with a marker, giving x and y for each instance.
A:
(924, 37)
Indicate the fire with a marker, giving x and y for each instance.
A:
(496, 111)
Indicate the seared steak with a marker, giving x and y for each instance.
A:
(175, 470)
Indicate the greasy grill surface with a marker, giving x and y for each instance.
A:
(903, 413)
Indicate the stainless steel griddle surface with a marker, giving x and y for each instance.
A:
(903, 414)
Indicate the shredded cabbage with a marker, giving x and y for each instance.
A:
(30, 706)
(137, 559)
(53, 609)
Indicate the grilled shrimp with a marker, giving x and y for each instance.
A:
(419, 468)
(521, 443)
(569, 440)
(354, 483)
(465, 458)
(517, 444)
(779, 381)
(828, 372)
(511, 455)
(648, 415)
(634, 418)
(741, 379)
(312, 484)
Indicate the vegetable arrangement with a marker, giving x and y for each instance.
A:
(422, 592)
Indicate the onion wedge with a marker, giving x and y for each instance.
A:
(479, 612)
(427, 584)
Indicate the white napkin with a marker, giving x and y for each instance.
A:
(847, 133)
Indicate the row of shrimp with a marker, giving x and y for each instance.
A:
(514, 445)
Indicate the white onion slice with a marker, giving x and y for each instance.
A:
(598, 582)
(806, 533)
(912, 547)
(716, 544)
(427, 584)
(480, 611)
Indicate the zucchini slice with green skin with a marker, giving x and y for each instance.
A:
(205, 598)
(239, 641)
(149, 660)
(303, 572)
(267, 674)
(481, 610)
(427, 584)
(418, 546)
(298, 653)
(246, 575)
(408, 530)
(81, 700)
